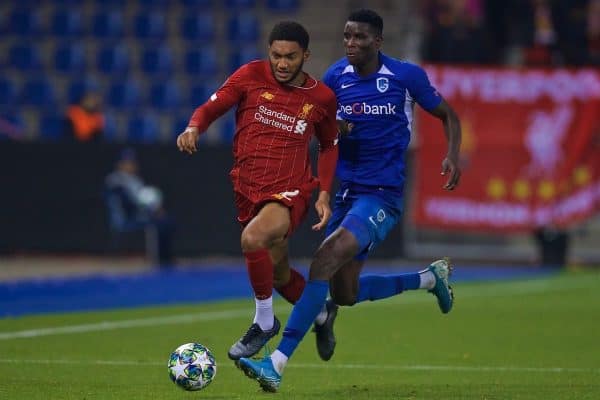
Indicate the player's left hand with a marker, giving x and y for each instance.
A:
(323, 210)
(450, 167)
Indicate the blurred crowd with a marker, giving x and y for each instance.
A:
(513, 32)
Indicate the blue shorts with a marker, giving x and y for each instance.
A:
(369, 213)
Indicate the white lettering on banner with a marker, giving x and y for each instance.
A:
(580, 202)
(471, 212)
(511, 215)
(500, 86)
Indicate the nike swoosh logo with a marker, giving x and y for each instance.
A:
(347, 85)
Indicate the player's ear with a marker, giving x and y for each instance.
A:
(378, 41)
(306, 54)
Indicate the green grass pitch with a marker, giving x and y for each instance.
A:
(530, 339)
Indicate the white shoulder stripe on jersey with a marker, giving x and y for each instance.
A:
(385, 71)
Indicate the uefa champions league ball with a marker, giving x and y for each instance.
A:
(192, 366)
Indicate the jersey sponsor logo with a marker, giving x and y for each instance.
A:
(267, 95)
(347, 85)
(367, 109)
(383, 84)
(286, 195)
(300, 127)
(280, 120)
(306, 108)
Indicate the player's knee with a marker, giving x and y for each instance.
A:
(322, 266)
(252, 240)
(331, 255)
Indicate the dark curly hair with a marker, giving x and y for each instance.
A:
(290, 31)
(369, 17)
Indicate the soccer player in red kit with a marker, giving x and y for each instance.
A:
(279, 108)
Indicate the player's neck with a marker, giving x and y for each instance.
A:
(299, 81)
(367, 69)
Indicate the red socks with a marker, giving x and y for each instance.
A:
(260, 272)
(292, 290)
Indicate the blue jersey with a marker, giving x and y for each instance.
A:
(381, 108)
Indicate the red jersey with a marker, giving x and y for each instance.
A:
(274, 125)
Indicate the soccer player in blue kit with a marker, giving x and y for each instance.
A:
(375, 95)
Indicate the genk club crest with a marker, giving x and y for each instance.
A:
(383, 84)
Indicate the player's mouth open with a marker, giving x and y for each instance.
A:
(282, 74)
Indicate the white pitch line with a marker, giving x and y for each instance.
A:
(495, 290)
(128, 323)
(457, 368)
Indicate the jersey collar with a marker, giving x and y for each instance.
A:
(383, 70)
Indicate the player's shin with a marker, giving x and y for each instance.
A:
(260, 273)
(292, 289)
(376, 287)
(300, 320)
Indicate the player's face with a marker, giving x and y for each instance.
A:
(287, 59)
(361, 43)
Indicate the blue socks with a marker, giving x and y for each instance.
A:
(303, 315)
(375, 287)
(372, 287)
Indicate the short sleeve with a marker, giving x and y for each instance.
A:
(421, 89)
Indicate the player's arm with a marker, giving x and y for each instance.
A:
(427, 97)
(326, 132)
(222, 100)
(452, 130)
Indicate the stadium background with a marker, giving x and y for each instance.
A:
(154, 61)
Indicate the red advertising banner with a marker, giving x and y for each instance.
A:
(530, 150)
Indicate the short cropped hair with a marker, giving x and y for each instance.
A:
(369, 17)
(290, 31)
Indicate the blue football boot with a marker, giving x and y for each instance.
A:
(262, 371)
(442, 269)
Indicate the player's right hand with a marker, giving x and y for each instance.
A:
(186, 141)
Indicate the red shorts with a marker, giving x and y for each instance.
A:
(297, 200)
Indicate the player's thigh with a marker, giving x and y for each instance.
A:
(268, 227)
(371, 219)
(341, 206)
(343, 285)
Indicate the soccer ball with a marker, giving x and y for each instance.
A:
(192, 366)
